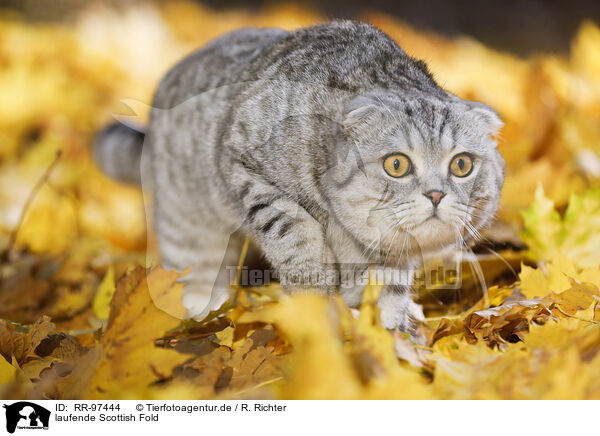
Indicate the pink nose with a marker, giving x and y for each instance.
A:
(435, 196)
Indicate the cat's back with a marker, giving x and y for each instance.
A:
(221, 62)
(344, 54)
(347, 55)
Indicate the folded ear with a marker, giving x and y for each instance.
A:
(356, 111)
(486, 117)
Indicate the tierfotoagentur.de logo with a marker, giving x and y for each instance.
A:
(24, 415)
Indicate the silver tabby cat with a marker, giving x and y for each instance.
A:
(328, 146)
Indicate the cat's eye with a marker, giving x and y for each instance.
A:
(461, 165)
(397, 165)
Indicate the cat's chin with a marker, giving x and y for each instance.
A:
(433, 234)
(427, 239)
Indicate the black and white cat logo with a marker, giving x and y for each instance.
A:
(26, 415)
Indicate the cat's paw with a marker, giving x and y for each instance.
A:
(400, 312)
(198, 302)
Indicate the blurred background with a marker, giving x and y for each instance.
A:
(520, 26)
(67, 66)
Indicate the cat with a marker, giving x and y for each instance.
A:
(329, 146)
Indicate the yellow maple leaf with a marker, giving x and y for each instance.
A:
(126, 360)
(557, 276)
(578, 297)
(576, 235)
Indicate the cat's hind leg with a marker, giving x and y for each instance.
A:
(210, 254)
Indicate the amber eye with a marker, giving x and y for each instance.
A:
(461, 165)
(397, 165)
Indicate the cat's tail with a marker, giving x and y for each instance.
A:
(118, 152)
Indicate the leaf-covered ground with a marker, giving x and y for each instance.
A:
(87, 314)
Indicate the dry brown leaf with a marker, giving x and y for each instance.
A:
(22, 345)
(253, 365)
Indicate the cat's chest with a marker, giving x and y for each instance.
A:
(346, 249)
(354, 254)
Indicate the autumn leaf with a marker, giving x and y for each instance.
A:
(7, 372)
(317, 351)
(557, 276)
(578, 297)
(532, 369)
(575, 236)
(101, 303)
(22, 345)
(253, 365)
(126, 356)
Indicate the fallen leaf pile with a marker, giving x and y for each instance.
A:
(85, 312)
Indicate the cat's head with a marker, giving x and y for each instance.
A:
(422, 172)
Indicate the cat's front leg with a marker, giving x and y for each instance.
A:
(292, 240)
(398, 309)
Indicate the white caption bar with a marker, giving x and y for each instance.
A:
(91, 418)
